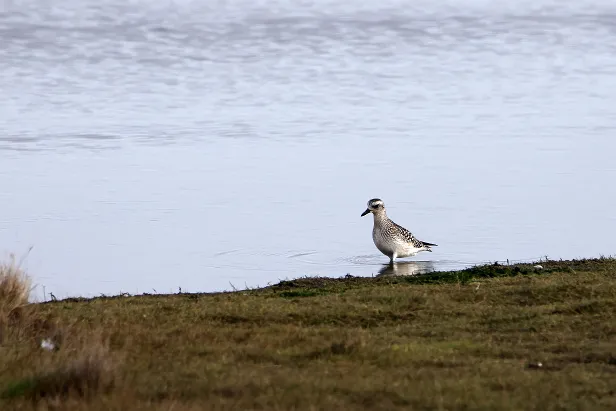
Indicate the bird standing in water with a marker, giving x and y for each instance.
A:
(391, 239)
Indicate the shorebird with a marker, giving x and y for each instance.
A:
(391, 239)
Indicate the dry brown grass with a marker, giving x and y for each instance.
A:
(14, 293)
(465, 340)
(14, 286)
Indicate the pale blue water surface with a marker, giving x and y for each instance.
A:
(152, 145)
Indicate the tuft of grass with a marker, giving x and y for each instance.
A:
(14, 294)
(14, 287)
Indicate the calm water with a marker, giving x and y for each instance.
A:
(151, 145)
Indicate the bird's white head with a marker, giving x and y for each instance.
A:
(376, 205)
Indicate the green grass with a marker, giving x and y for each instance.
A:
(468, 340)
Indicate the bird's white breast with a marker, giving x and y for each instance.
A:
(390, 246)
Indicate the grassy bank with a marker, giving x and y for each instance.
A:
(491, 337)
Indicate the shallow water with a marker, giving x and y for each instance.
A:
(148, 146)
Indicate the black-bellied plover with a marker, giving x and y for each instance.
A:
(391, 239)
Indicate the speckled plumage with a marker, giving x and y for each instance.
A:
(390, 238)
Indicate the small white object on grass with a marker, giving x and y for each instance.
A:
(48, 345)
(538, 267)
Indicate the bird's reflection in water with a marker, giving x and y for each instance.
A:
(406, 268)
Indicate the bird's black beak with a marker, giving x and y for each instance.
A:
(365, 212)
